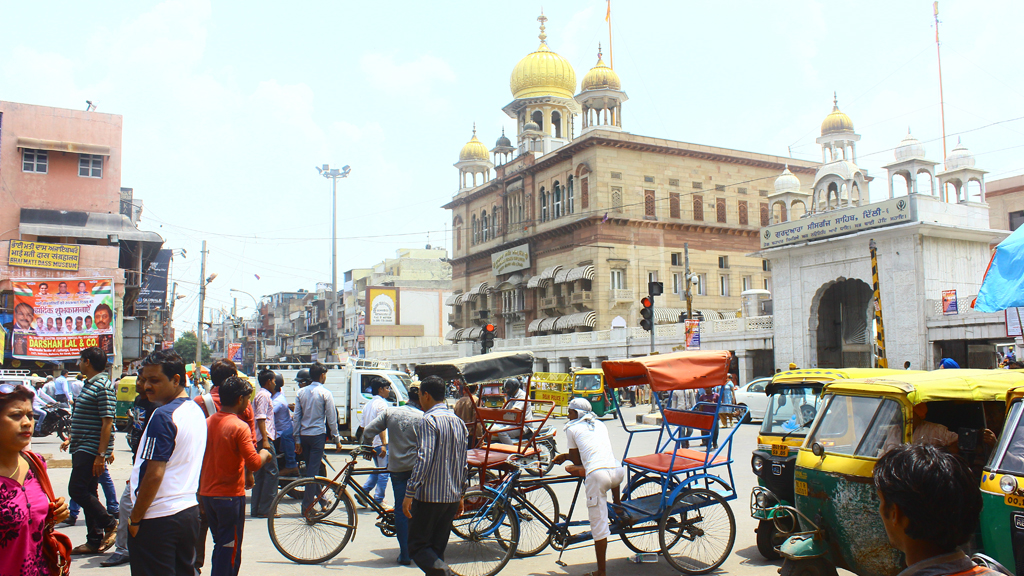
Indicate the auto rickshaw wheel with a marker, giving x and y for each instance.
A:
(807, 567)
(768, 537)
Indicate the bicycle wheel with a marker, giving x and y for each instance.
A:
(533, 534)
(647, 540)
(317, 534)
(697, 533)
(491, 536)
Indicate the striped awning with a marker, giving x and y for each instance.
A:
(562, 276)
(544, 278)
(586, 319)
(453, 300)
(536, 282)
(581, 273)
(711, 314)
(476, 291)
(511, 283)
(547, 324)
(535, 325)
(667, 315)
(453, 335)
(472, 333)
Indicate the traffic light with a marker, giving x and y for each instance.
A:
(647, 313)
(487, 339)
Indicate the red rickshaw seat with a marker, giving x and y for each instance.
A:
(686, 459)
(481, 457)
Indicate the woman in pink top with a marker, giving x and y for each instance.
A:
(23, 503)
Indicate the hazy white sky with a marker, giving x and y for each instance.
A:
(228, 106)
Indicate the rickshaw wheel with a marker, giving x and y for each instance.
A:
(533, 534)
(489, 535)
(697, 532)
(807, 567)
(768, 537)
(643, 542)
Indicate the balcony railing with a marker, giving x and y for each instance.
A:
(582, 297)
(621, 294)
(547, 303)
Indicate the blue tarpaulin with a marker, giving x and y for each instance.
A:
(1003, 285)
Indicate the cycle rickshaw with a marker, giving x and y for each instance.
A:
(676, 498)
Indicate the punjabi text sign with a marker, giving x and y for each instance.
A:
(40, 255)
(836, 223)
(517, 258)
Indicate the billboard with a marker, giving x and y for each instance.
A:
(235, 353)
(153, 294)
(381, 306)
(56, 318)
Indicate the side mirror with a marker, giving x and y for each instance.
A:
(818, 450)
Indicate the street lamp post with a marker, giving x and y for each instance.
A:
(203, 281)
(334, 174)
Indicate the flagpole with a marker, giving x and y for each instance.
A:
(608, 18)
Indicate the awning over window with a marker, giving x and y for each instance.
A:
(514, 281)
(453, 300)
(586, 319)
(562, 275)
(581, 273)
(61, 146)
(544, 278)
(547, 324)
(453, 335)
(472, 333)
(476, 291)
(534, 325)
(667, 315)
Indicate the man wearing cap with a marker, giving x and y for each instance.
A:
(590, 452)
(380, 387)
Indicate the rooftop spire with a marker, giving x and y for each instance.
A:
(542, 19)
(835, 100)
(598, 50)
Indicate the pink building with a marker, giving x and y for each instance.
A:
(60, 184)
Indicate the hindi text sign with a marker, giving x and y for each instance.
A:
(42, 255)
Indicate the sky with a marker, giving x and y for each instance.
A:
(229, 106)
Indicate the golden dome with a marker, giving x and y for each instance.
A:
(601, 77)
(836, 121)
(543, 73)
(473, 150)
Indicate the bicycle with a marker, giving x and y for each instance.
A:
(316, 533)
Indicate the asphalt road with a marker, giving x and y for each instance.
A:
(371, 551)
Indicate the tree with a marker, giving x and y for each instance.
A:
(185, 347)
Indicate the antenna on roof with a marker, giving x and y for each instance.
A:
(90, 107)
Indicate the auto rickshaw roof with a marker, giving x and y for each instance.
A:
(473, 369)
(937, 385)
(588, 371)
(822, 376)
(664, 372)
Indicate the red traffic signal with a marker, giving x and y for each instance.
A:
(647, 313)
(489, 328)
(647, 302)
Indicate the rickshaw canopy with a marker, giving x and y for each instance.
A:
(825, 375)
(665, 372)
(937, 385)
(484, 367)
(1016, 392)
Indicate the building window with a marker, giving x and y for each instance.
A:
(649, 203)
(698, 208)
(720, 209)
(569, 200)
(700, 285)
(34, 161)
(768, 284)
(557, 205)
(764, 214)
(458, 237)
(616, 175)
(618, 280)
(677, 283)
(585, 193)
(766, 265)
(744, 220)
(543, 205)
(617, 200)
(748, 283)
(762, 193)
(673, 205)
(1016, 219)
(484, 227)
(741, 190)
(476, 233)
(698, 185)
(723, 262)
(652, 276)
(90, 165)
(649, 179)
(673, 181)
(723, 285)
(676, 259)
(719, 188)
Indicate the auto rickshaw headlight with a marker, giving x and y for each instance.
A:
(758, 465)
(762, 500)
(1008, 484)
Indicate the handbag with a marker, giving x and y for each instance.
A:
(56, 545)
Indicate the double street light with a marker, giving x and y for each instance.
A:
(334, 174)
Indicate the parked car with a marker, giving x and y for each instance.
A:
(753, 397)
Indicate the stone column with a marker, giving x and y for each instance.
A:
(746, 365)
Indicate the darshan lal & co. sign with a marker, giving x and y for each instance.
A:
(517, 258)
(836, 223)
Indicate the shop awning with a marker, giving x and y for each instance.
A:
(581, 273)
(476, 291)
(535, 325)
(62, 146)
(62, 223)
(545, 277)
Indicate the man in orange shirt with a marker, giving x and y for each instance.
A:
(229, 451)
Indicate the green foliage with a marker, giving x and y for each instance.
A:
(185, 346)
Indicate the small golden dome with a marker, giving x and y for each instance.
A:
(543, 73)
(474, 149)
(836, 121)
(601, 77)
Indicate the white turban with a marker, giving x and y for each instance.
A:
(584, 410)
(580, 405)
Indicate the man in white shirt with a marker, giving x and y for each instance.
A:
(314, 416)
(40, 401)
(514, 391)
(380, 387)
(590, 451)
(61, 390)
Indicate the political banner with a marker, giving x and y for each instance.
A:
(235, 353)
(692, 334)
(949, 302)
(55, 319)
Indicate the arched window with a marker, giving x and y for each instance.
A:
(485, 228)
(617, 200)
(495, 221)
(543, 205)
(765, 214)
(673, 205)
(720, 209)
(458, 237)
(585, 193)
(744, 220)
(698, 208)
(556, 124)
(476, 231)
(538, 119)
(557, 205)
(649, 203)
(569, 201)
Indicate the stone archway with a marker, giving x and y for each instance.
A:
(840, 324)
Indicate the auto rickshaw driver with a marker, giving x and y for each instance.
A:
(933, 433)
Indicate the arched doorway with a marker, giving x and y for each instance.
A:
(841, 322)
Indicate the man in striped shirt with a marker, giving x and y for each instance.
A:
(433, 496)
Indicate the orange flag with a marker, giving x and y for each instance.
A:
(608, 13)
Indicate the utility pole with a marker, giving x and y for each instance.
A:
(942, 100)
(234, 326)
(197, 370)
(333, 173)
(686, 272)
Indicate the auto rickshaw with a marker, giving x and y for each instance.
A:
(1002, 494)
(859, 419)
(125, 400)
(589, 383)
(793, 398)
(491, 395)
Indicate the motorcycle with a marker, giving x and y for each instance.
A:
(57, 418)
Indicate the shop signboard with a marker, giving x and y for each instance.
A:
(57, 318)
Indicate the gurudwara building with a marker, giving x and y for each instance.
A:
(561, 231)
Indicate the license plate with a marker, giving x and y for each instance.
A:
(1018, 521)
(800, 488)
(780, 450)
(1014, 500)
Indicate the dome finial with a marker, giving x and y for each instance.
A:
(835, 100)
(598, 50)
(542, 19)
(474, 129)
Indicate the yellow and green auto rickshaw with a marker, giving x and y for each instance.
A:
(125, 399)
(793, 398)
(859, 420)
(589, 383)
(1002, 494)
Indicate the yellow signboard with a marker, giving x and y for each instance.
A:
(39, 255)
(381, 306)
